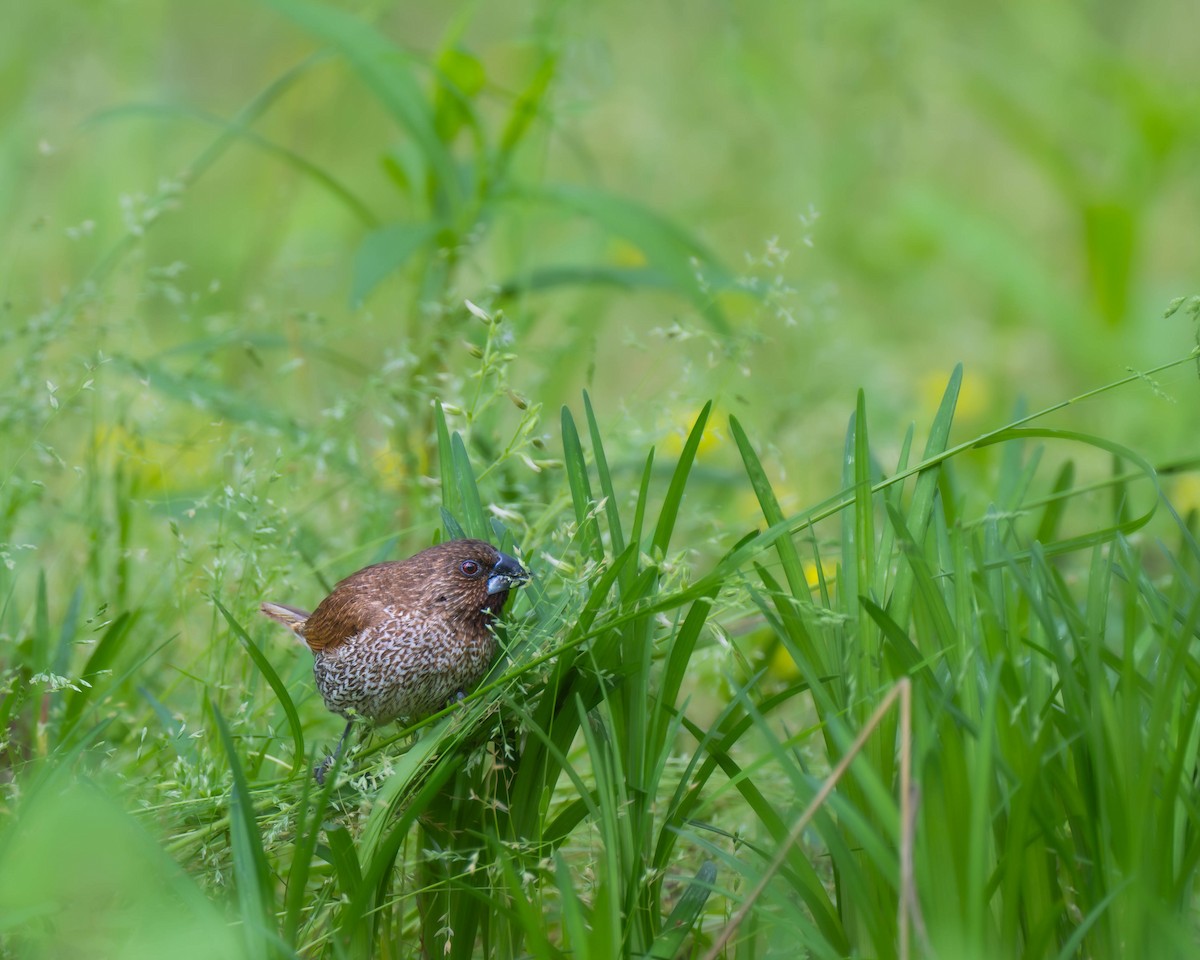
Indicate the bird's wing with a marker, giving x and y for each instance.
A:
(350, 609)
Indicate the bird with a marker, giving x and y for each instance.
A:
(403, 639)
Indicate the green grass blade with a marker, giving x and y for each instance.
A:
(848, 545)
(576, 922)
(611, 507)
(921, 508)
(255, 892)
(40, 654)
(892, 494)
(66, 634)
(1126, 521)
(525, 110)
(613, 919)
(864, 503)
(98, 663)
(785, 547)
(452, 528)
(679, 657)
(639, 510)
(1071, 945)
(450, 498)
(380, 858)
(192, 390)
(730, 726)
(173, 727)
(239, 131)
(529, 915)
(922, 575)
(344, 859)
(386, 71)
(468, 492)
(592, 275)
(686, 912)
(581, 490)
(674, 498)
(902, 653)
(666, 247)
(800, 872)
(789, 556)
(383, 252)
(295, 898)
(281, 693)
(404, 781)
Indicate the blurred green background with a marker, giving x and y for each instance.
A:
(767, 204)
(1011, 187)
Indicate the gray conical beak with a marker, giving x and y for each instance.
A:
(506, 574)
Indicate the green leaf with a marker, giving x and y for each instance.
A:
(864, 501)
(451, 526)
(924, 492)
(344, 859)
(468, 493)
(611, 510)
(450, 498)
(193, 391)
(238, 130)
(639, 510)
(574, 911)
(255, 892)
(1056, 505)
(785, 547)
(388, 830)
(461, 77)
(585, 275)
(679, 657)
(581, 491)
(805, 880)
(385, 251)
(674, 498)
(101, 660)
(1127, 522)
(691, 270)
(272, 678)
(686, 912)
(525, 110)
(386, 70)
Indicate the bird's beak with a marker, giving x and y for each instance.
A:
(506, 574)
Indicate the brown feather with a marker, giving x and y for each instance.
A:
(400, 638)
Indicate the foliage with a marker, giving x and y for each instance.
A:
(689, 744)
(1054, 719)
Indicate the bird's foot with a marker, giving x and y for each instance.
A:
(321, 770)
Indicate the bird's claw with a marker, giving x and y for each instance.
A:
(321, 770)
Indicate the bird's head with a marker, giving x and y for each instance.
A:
(466, 577)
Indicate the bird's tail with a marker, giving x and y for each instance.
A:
(291, 617)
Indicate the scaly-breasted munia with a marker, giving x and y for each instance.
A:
(403, 639)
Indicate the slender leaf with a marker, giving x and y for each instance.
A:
(675, 492)
(254, 888)
(386, 70)
(277, 685)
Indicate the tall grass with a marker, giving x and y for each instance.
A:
(574, 804)
(952, 710)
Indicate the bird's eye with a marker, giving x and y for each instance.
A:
(469, 568)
